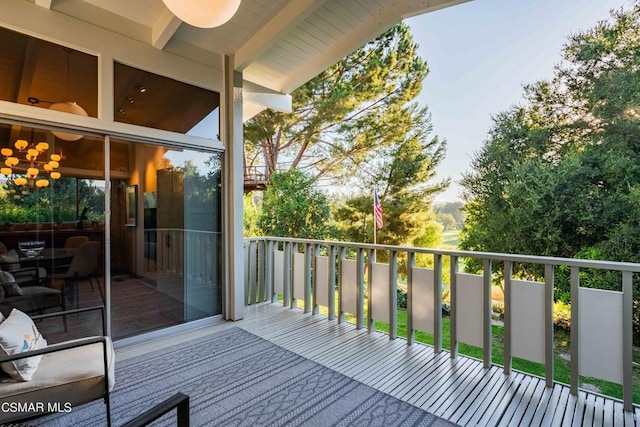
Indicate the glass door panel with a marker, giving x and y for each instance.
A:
(165, 238)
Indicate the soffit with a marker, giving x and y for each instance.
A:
(278, 44)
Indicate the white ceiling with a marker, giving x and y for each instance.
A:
(278, 44)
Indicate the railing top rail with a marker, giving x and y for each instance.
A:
(532, 259)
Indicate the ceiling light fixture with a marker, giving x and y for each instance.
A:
(65, 107)
(203, 13)
(68, 106)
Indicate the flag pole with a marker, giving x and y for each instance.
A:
(375, 224)
(375, 221)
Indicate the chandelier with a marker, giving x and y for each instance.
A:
(33, 168)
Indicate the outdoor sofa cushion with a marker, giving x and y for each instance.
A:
(18, 334)
(64, 378)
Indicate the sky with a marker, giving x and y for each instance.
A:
(480, 54)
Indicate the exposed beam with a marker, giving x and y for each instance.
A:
(286, 19)
(164, 28)
(44, 3)
(29, 62)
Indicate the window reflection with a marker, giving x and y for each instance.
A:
(39, 73)
(146, 99)
(170, 260)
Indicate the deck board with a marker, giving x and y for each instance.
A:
(459, 389)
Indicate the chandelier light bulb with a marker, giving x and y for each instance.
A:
(42, 147)
(41, 183)
(5, 171)
(32, 172)
(203, 13)
(6, 152)
(55, 175)
(11, 161)
(54, 164)
(56, 157)
(21, 144)
(20, 180)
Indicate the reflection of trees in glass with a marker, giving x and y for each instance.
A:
(56, 203)
(201, 189)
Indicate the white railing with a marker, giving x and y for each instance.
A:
(317, 273)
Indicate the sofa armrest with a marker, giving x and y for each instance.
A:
(57, 347)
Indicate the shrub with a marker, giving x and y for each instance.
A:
(402, 298)
(562, 315)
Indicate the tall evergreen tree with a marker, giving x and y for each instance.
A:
(343, 114)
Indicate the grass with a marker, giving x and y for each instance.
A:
(450, 238)
(562, 368)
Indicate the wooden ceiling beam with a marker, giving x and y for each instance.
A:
(29, 62)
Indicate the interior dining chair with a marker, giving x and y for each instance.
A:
(84, 265)
(75, 241)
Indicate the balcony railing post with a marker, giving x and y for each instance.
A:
(286, 286)
(437, 303)
(307, 278)
(314, 287)
(486, 281)
(262, 287)
(411, 262)
(548, 324)
(360, 294)
(575, 330)
(332, 283)
(343, 256)
(269, 272)
(627, 340)
(393, 295)
(253, 268)
(292, 266)
(453, 339)
(508, 272)
(369, 319)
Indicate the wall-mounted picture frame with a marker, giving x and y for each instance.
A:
(131, 205)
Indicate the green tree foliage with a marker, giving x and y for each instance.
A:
(448, 211)
(345, 113)
(293, 207)
(56, 203)
(560, 176)
(403, 173)
(251, 214)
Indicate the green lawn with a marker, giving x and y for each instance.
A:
(562, 370)
(450, 239)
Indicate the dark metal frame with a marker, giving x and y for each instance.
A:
(74, 344)
(178, 401)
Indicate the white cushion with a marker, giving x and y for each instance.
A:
(18, 334)
(72, 376)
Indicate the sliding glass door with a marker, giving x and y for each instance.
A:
(165, 236)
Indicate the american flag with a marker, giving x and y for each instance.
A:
(377, 209)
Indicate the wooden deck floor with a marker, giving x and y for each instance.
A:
(459, 390)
